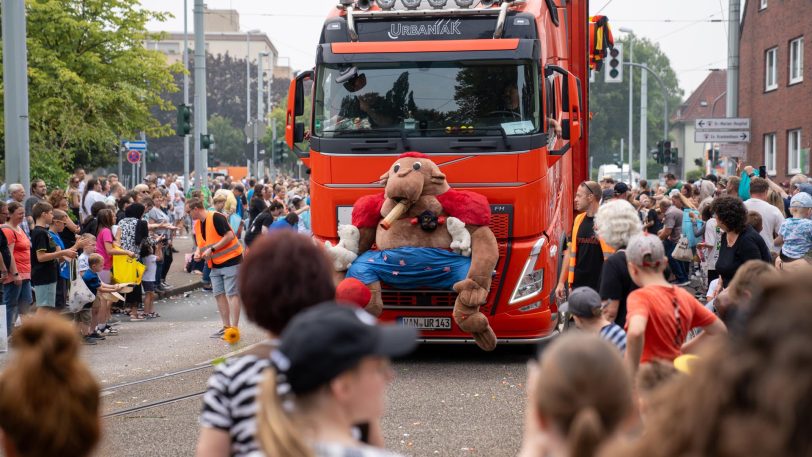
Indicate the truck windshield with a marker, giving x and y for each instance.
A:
(427, 99)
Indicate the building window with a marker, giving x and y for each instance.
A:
(770, 69)
(795, 159)
(769, 153)
(796, 60)
(762, 5)
(168, 47)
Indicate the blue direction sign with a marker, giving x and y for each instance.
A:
(136, 145)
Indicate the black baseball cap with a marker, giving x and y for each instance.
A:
(328, 339)
(583, 302)
(621, 188)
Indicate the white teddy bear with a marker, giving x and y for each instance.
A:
(346, 251)
(460, 238)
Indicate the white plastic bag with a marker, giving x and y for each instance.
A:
(79, 294)
(683, 251)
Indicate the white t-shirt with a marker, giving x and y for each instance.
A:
(173, 189)
(82, 264)
(712, 237)
(151, 264)
(771, 220)
(91, 198)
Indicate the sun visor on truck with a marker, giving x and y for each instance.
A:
(340, 53)
(517, 25)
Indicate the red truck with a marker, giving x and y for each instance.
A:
(496, 93)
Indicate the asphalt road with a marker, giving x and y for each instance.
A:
(445, 400)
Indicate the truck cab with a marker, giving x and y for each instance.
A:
(493, 94)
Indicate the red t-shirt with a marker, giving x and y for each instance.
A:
(22, 252)
(656, 303)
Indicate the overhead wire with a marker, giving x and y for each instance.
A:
(691, 24)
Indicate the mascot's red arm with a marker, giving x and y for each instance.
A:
(366, 212)
(469, 207)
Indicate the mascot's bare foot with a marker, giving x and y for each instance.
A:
(486, 340)
(375, 306)
(472, 321)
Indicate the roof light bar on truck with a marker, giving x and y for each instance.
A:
(412, 11)
(437, 4)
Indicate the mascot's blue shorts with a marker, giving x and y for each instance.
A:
(411, 268)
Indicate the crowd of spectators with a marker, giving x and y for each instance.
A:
(695, 338)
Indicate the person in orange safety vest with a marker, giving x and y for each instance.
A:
(586, 251)
(217, 243)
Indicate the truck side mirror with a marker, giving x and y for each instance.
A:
(294, 131)
(571, 102)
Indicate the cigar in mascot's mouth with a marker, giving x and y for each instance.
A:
(394, 214)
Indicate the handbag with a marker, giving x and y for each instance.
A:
(127, 270)
(682, 251)
(79, 294)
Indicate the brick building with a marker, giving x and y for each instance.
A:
(775, 84)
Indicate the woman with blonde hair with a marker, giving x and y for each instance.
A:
(578, 395)
(329, 373)
(616, 222)
(49, 400)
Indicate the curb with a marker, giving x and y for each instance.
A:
(180, 290)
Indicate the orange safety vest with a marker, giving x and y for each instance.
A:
(607, 250)
(229, 251)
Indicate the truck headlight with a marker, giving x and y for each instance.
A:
(532, 280)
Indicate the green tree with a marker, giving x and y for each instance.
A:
(229, 142)
(609, 104)
(226, 98)
(91, 82)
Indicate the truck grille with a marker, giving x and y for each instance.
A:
(502, 227)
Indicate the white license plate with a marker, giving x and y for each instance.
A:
(426, 323)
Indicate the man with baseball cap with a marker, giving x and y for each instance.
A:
(622, 191)
(660, 315)
(584, 305)
(330, 371)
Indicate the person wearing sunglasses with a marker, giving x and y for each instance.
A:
(659, 314)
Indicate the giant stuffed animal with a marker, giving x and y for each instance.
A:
(413, 245)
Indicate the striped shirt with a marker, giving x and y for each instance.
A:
(229, 402)
(615, 335)
(340, 450)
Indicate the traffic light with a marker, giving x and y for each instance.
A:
(713, 156)
(659, 157)
(206, 141)
(279, 148)
(614, 71)
(667, 153)
(184, 126)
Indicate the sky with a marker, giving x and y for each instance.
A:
(683, 28)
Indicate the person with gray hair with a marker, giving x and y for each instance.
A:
(616, 222)
(16, 193)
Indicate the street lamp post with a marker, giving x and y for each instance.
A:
(186, 182)
(260, 110)
(631, 99)
(15, 103)
(665, 109)
(248, 74)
